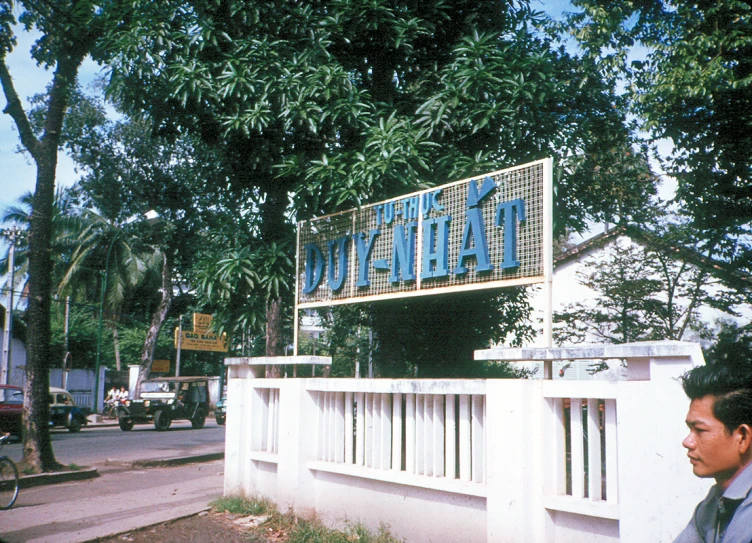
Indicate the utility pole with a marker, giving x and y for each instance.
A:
(180, 345)
(64, 368)
(12, 235)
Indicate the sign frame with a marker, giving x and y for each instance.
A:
(545, 275)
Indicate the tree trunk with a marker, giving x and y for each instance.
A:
(37, 447)
(274, 344)
(157, 320)
(274, 228)
(116, 346)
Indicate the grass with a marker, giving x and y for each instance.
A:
(240, 505)
(313, 531)
(74, 467)
(300, 530)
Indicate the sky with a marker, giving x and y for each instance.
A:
(17, 174)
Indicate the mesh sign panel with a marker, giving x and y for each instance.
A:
(483, 232)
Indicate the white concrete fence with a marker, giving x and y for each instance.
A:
(475, 460)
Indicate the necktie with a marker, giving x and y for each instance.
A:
(726, 510)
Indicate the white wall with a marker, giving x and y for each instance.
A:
(80, 383)
(17, 370)
(567, 289)
(443, 461)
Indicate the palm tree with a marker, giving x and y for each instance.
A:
(65, 223)
(101, 246)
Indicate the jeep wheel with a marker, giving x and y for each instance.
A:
(126, 423)
(75, 425)
(162, 420)
(220, 419)
(198, 420)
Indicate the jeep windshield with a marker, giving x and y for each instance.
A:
(158, 389)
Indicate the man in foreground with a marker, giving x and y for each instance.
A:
(719, 445)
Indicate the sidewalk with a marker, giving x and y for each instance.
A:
(126, 497)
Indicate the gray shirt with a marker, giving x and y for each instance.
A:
(723, 517)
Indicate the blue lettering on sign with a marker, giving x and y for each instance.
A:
(337, 273)
(508, 213)
(364, 255)
(409, 208)
(435, 205)
(388, 212)
(476, 196)
(473, 244)
(314, 268)
(403, 252)
(435, 247)
(425, 204)
(435, 241)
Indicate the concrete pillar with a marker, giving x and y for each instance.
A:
(132, 379)
(657, 489)
(515, 461)
(297, 443)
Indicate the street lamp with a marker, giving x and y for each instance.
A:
(150, 216)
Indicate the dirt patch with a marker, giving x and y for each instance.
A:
(199, 528)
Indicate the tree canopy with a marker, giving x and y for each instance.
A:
(343, 103)
(318, 106)
(694, 87)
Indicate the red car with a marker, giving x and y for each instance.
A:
(11, 409)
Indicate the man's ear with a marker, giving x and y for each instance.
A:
(744, 432)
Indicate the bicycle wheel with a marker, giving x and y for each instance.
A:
(8, 483)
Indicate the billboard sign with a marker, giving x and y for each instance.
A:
(488, 231)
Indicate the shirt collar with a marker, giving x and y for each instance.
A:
(740, 487)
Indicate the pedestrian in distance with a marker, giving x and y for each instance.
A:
(110, 402)
(719, 445)
(112, 395)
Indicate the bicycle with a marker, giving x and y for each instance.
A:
(110, 410)
(8, 478)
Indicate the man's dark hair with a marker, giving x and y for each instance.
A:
(730, 384)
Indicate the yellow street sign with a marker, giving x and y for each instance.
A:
(160, 366)
(203, 341)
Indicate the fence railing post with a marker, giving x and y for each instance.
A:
(657, 490)
(514, 461)
(297, 446)
(238, 465)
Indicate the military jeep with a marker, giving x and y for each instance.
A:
(164, 399)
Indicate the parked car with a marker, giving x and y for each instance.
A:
(164, 399)
(220, 411)
(11, 409)
(64, 411)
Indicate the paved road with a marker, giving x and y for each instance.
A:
(98, 445)
(114, 503)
